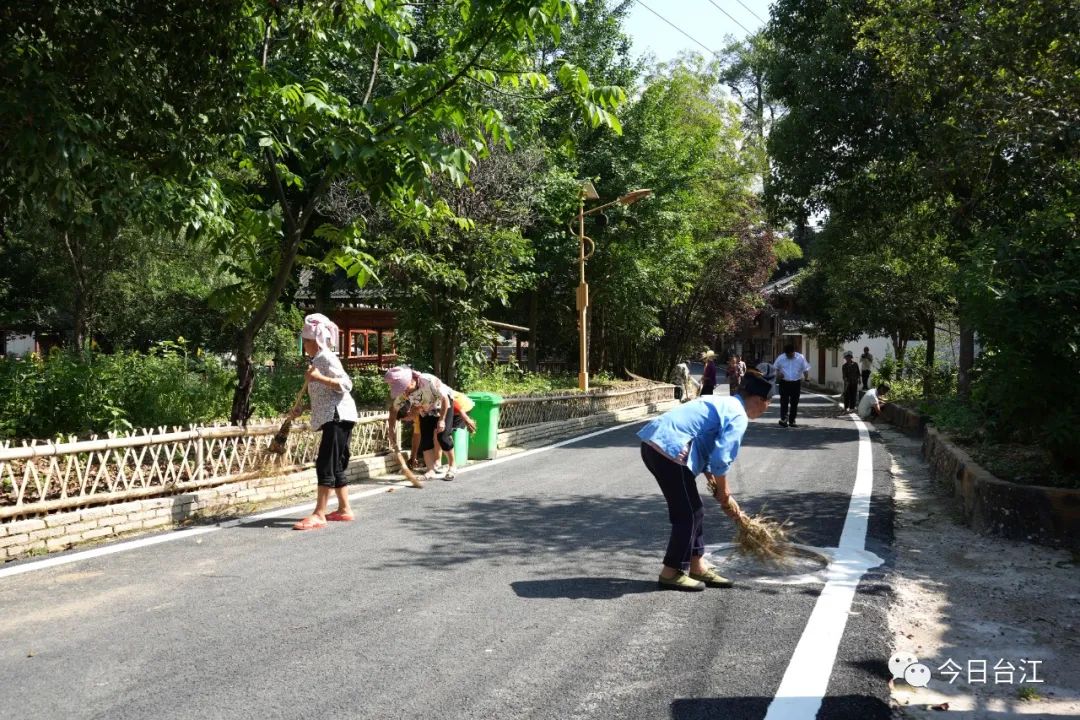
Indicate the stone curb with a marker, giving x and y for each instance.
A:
(1045, 515)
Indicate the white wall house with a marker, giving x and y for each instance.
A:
(829, 373)
(16, 344)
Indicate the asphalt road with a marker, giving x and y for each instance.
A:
(521, 590)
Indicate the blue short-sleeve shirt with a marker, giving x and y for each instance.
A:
(705, 433)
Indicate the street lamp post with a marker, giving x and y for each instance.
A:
(588, 192)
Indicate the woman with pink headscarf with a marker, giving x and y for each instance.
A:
(433, 401)
(334, 413)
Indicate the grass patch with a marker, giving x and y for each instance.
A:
(508, 380)
(1026, 692)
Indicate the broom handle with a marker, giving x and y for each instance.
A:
(300, 394)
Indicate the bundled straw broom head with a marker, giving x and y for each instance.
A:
(761, 537)
(281, 438)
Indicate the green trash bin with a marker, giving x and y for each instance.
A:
(484, 444)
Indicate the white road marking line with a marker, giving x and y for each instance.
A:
(806, 680)
(129, 545)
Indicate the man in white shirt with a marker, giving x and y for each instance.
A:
(791, 369)
(870, 405)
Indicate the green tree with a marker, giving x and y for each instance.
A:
(963, 108)
(312, 120)
(106, 115)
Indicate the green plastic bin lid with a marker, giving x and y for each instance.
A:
(488, 398)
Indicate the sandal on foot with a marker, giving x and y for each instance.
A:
(680, 582)
(712, 579)
(341, 516)
(311, 522)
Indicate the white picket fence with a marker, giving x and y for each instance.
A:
(38, 477)
(45, 476)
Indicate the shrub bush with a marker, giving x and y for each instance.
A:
(68, 392)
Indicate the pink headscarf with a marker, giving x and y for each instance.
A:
(322, 330)
(398, 378)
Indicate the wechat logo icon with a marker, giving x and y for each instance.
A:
(906, 667)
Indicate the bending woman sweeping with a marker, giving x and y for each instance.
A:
(700, 436)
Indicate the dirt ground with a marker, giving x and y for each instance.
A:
(969, 598)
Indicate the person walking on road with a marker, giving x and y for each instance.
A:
(851, 373)
(699, 437)
(708, 375)
(333, 412)
(683, 382)
(866, 364)
(791, 369)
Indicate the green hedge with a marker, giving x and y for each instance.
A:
(70, 393)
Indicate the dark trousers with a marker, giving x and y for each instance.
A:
(429, 429)
(790, 390)
(865, 379)
(851, 395)
(684, 508)
(333, 457)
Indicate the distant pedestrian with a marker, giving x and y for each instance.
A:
(851, 373)
(736, 369)
(872, 400)
(333, 412)
(791, 369)
(684, 382)
(708, 375)
(699, 437)
(866, 364)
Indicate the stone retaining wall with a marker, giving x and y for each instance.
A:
(543, 432)
(904, 418)
(1050, 516)
(64, 530)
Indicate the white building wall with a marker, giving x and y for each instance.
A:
(834, 357)
(19, 345)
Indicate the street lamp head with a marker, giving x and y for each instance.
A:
(588, 191)
(634, 195)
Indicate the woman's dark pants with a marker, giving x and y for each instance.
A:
(851, 395)
(684, 508)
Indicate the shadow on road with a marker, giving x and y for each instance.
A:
(582, 588)
(863, 707)
(502, 530)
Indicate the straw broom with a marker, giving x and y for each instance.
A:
(761, 537)
(409, 474)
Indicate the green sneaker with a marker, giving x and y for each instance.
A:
(681, 582)
(712, 579)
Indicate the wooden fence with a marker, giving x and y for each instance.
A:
(48, 476)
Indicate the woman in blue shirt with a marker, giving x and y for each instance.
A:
(700, 436)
